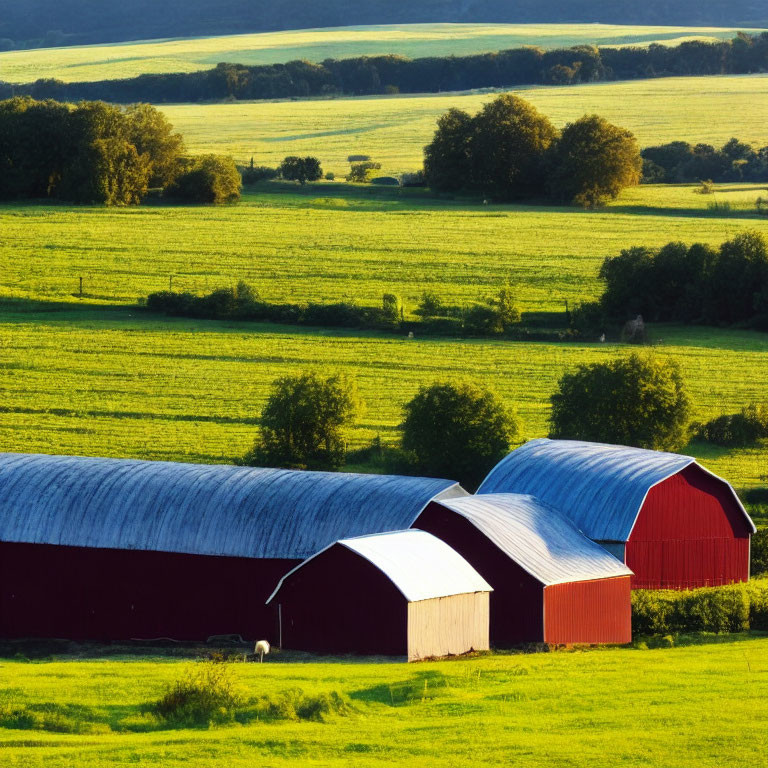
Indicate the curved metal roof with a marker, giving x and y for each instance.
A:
(200, 509)
(601, 488)
(419, 564)
(538, 538)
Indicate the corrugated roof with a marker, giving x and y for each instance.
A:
(200, 509)
(600, 487)
(538, 538)
(419, 564)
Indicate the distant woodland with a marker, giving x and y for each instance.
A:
(399, 74)
(35, 23)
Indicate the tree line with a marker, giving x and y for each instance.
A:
(372, 75)
(95, 152)
(684, 283)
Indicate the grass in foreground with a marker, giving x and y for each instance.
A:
(119, 60)
(395, 129)
(701, 704)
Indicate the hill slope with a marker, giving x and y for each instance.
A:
(54, 22)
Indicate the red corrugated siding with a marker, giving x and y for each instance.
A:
(517, 608)
(690, 533)
(105, 594)
(588, 612)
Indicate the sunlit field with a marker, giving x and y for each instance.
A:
(394, 130)
(101, 62)
(598, 709)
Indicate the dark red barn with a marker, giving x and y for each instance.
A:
(550, 583)
(676, 525)
(111, 549)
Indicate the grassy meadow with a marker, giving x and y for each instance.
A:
(395, 129)
(87, 376)
(120, 60)
(601, 709)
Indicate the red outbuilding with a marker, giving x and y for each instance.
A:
(550, 583)
(675, 524)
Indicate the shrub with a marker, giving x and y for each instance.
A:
(457, 431)
(430, 305)
(207, 179)
(330, 176)
(358, 158)
(301, 169)
(637, 400)
(482, 320)
(294, 704)
(737, 429)
(759, 553)
(252, 174)
(206, 694)
(360, 173)
(732, 608)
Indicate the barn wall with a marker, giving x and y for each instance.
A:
(690, 533)
(106, 594)
(338, 602)
(588, 612)
(448, 625)
(517, 602)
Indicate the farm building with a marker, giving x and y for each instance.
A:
(400, 593)
(551, 584)
(674, 524)
(114, 549)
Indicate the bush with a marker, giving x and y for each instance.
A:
(732, 608)
(737, 429)
(251, 174)
(430, 305)
(457, 431)
(360, 173)
(206, 694)
(759, 553)
(301, 169)
(207, 179)
(637, 400)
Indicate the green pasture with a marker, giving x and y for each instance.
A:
(119, 60)
(598, 709)
(395, 129)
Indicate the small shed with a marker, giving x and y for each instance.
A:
(674, 523)
(401, 593)
(551, 584)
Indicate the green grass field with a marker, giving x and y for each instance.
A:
(101, 62)
(665, 708)
(99, 381)
(394, 130)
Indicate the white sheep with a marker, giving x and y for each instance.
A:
(262, 648)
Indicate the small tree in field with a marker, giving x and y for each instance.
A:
(301, 169)
(457, 431)
(638, 400)
(592, 162)
(303, 423)
(207, 179)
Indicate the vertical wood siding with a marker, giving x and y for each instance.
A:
(104, 594)
(588, 612)
(450, 625)
(516, 604)
(690, 533)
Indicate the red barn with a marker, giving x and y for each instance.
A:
(111, 549)
(550, 583)
(676, 525)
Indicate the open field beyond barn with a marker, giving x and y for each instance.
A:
(395, 129)
(120, 60)
(598, 709)
(93, 380)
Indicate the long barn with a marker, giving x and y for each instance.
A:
(675, 525)
(115, 549)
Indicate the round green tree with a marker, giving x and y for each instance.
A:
(447, 165)
(637, 400)
(303, 424)
(458, 431)
(592, 162)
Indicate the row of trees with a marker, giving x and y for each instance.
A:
(680, 162)
(393, 74)
(461, 430)
(687, 283)
(509, 150)
(95, 152)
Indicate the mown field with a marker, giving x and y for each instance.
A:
(118, 382)
(620, 707)
(102, 62)
(394, 130)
